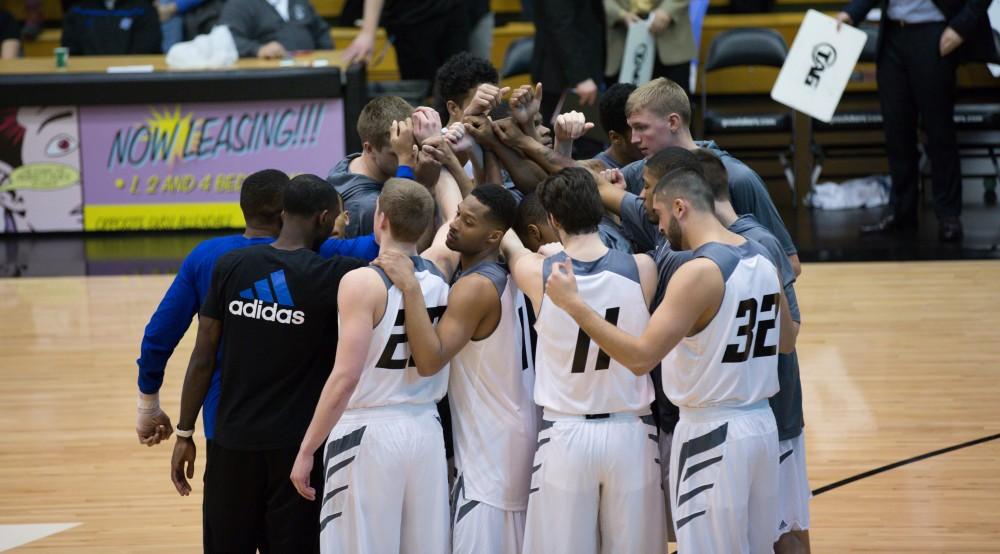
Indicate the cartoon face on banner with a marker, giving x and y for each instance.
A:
(40, 170)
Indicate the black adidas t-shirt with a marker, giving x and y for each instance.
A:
(279, 338)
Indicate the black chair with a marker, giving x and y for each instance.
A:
(742, 48)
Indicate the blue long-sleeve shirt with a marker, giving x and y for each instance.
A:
(184, 297)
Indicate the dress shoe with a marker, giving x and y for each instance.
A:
(889, 224)
(950, 230)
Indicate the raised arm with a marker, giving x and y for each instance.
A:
(525, 174)
(356, 304)
(547, 159)
(196, 383)
(525, 268)
(690, 293)
(469, 304)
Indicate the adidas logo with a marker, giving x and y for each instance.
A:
(266, 299)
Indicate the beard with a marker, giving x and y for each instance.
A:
(674, 235)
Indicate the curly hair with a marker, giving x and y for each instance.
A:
(459, 74)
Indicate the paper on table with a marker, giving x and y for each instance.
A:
(148, 68)
(818, 66)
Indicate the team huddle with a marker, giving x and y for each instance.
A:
(529, 353)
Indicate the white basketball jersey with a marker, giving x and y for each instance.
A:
(390, 376)
(733, 361)
(493, 417)
(572, 374)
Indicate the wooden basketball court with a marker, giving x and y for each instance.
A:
(898, 360)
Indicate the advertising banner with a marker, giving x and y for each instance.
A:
(147, 167)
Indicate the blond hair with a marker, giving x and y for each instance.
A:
(408, 207)
(662, 97)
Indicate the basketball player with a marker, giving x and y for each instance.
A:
(493, 415)
(787, 403)
(718, 330)
(596, 484)
(385, 472)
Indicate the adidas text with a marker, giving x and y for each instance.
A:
(267, 312)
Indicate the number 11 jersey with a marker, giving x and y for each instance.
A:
(572, 374)
(733, 361)
(390, 376)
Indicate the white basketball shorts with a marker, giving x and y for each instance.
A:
(595, 487)
(386, 483)
(480, 528)
(724, 490)
(794, 485)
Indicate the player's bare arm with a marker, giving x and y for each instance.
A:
(447, 196)
(525, 174)
(473, 311)
(691, 300)
(547, 159)
(360, 303)
(525, 267)
(196, 383)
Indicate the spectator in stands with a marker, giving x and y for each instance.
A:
(621, 151)
(569, 50)
(671, 28)
(172, 19)
(920, 45)
(275, 28)
(424, 33)
(10, 36)
(112, 28)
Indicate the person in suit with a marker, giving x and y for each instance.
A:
(272, 28)
(921, 43)
(569, 50)
(671, 28)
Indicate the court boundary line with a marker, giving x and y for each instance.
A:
(907, 461)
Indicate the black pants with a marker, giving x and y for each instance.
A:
(422, 48)
(914, 81)
(679, 73)
(250, 503)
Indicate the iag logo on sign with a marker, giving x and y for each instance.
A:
(823, 56)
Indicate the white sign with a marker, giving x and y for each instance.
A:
(640, 49)
(818, 66)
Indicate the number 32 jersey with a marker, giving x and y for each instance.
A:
(733, 361)
(390, 376)
(572, 374)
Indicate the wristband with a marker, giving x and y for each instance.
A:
(184, 434)
(405, 172)
(148, 403)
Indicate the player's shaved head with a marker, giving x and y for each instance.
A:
(408, 207)
(500, 204)
(307, 195)
(670, 159)
(715, 173)
(262, 197)
(688, 184)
